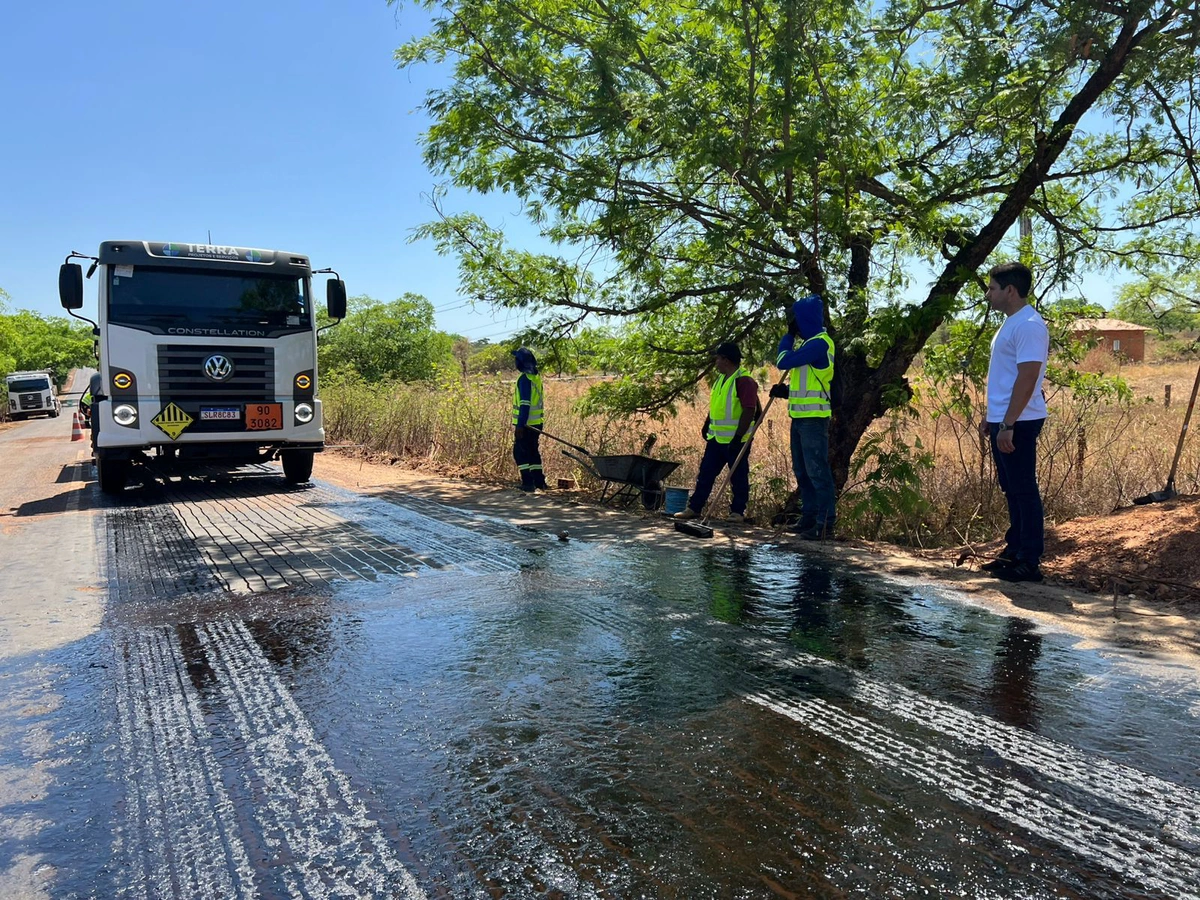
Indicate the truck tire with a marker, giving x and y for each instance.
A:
(112, 475)
(54, 413)
(297, 465)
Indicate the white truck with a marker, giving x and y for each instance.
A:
(208, 357)
(32, 394)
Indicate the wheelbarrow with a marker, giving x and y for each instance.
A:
(627, 476)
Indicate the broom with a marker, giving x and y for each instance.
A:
(1168, 492)
(699, 529)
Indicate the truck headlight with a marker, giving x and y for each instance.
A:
(124, 414)
(304, 413)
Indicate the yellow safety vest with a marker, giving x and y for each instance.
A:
(535, 399)
(724, 409)
(808, 390)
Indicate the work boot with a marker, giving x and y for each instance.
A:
(803, 525)
(735, 518)
(1020, 571)
(818, 533)
(999, 564)
(686, 513)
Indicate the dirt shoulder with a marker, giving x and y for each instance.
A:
(1103, 586)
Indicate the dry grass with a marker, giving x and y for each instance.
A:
(1093, 457)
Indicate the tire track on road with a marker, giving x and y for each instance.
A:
(450, 536)
(308, 812)
(1132, 854)
(1170, 807)
(181, 831)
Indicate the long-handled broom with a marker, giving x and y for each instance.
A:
(583, 450)
(1168, 492)
(699, 529)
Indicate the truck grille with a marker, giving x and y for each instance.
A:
(181, 375)
(30, 401)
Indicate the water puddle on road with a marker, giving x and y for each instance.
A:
(625, 722)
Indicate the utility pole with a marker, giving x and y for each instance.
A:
(1025, 252)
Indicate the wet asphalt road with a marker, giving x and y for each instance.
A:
(232, 689)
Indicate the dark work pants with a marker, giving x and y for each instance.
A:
(716, 457)
(529, 459)
(814, 477)
(1017, 474)
(94, 424)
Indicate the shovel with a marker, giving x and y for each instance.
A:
(1168, 492)
(699, 529)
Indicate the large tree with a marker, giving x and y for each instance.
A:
(1164, 302)
(702, 163)
(30, 341)
(382, 341)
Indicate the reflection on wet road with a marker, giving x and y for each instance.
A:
(318, 695)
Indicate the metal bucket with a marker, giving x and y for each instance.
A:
(677, 499)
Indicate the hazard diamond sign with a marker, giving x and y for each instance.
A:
(172, 421)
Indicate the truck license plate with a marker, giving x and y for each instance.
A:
(264, 416)
(220, 414)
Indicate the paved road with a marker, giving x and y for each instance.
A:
(229, 688)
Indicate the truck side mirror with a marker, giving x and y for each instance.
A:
(70, 285)
(335, 298)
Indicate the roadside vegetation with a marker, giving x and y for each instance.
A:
(920, 477)
(695, 168)
(29, 341)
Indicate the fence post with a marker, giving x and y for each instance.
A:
(1081, 452)
(1166, 396)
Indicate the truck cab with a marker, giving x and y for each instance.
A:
(32, 394)
(208, 357)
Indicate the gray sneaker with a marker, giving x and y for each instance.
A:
(686, 513)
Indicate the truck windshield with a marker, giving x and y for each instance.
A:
(24, 385)
(165, 295)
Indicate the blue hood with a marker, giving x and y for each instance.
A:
(525, 360)
(809, 313)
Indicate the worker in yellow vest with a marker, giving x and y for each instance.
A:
(528, 414)
(89, 398)
(732, 409)
(807, 351)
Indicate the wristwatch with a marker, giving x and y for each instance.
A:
(1003, 426)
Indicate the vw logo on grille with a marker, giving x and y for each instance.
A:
(218, 368)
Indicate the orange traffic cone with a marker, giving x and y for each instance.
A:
(76, 428)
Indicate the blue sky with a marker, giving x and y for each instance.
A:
(269, 124)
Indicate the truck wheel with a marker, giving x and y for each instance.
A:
(54, 413)
(112, 475)
(297, 465)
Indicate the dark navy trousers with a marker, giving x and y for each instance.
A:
(716, 457)
(1017, 474)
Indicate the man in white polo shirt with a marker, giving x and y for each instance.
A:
(1016, 411)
